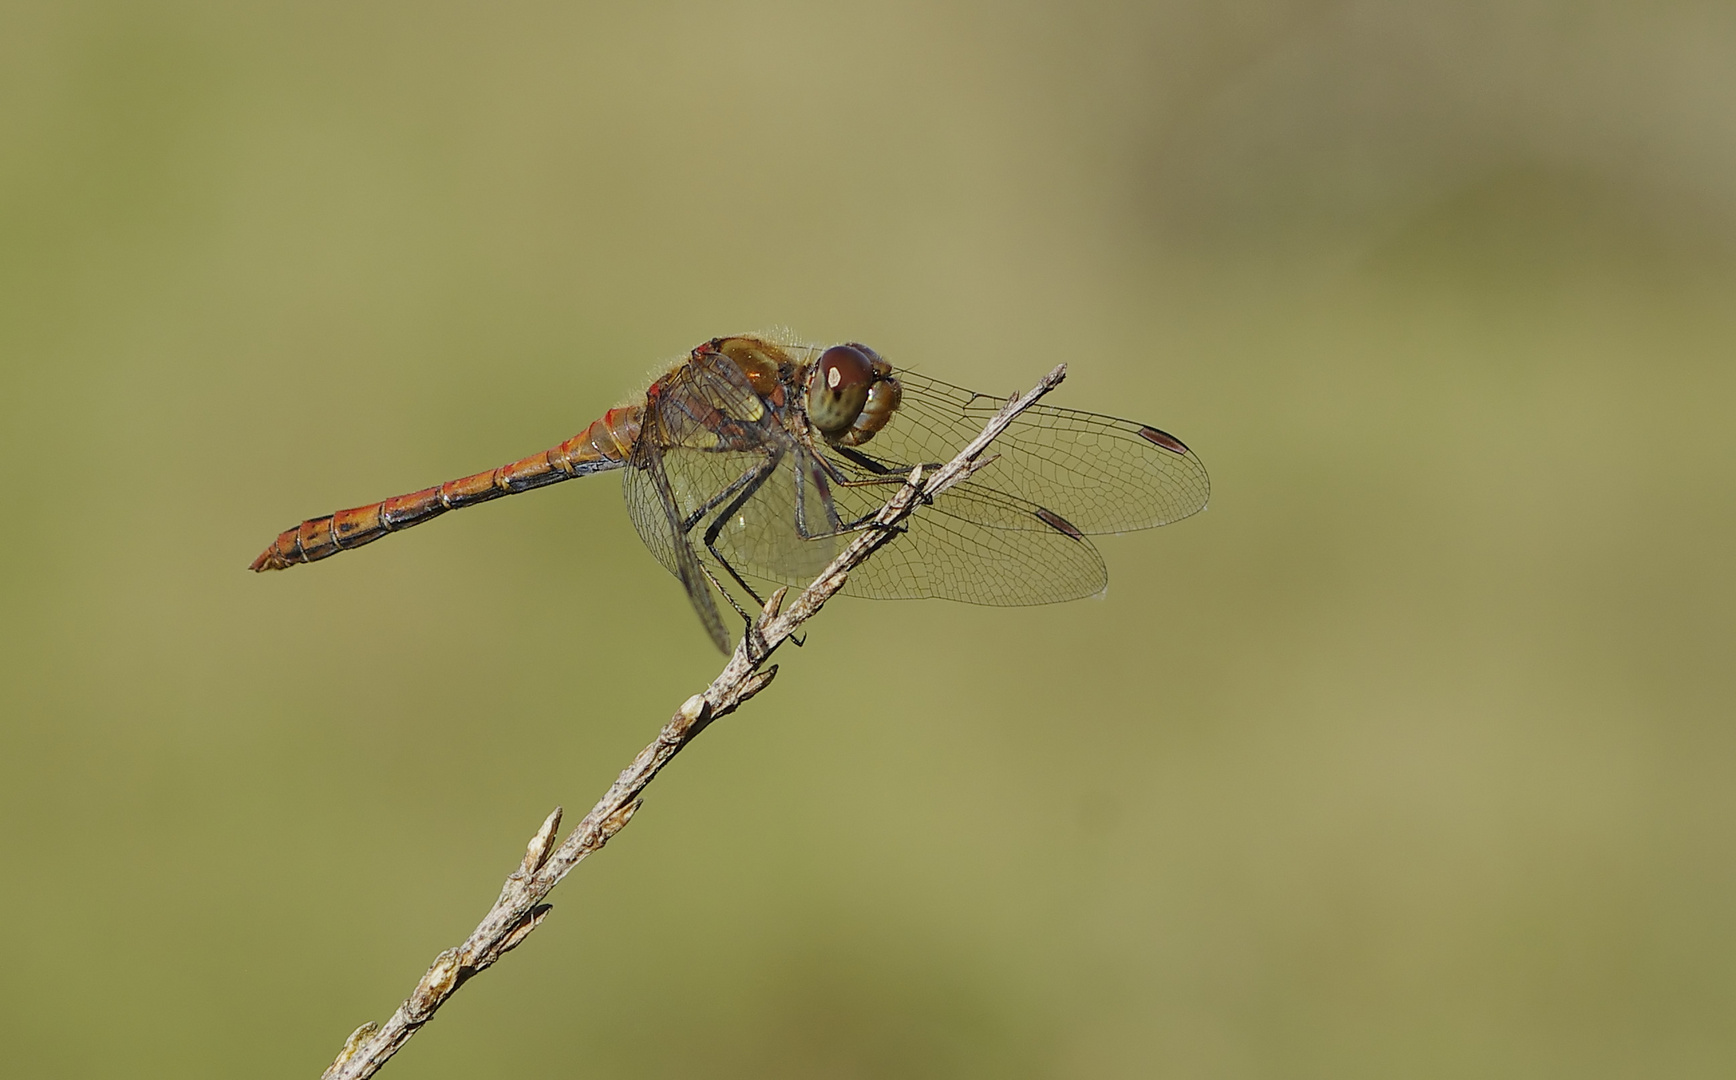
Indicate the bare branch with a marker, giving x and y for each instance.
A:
(520, 908)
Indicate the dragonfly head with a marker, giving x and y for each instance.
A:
(851, 394)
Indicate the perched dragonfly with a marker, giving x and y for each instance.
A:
(757, 459)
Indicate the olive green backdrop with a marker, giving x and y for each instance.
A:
(1411, 757)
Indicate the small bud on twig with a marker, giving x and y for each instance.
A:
(537, 851)
(523, 929)
(617, 821)
(354, 1042)
(774, 604)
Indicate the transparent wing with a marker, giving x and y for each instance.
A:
(656, 518)
(952, 551)
(652, 517)
(1101, 474)
(971, 545)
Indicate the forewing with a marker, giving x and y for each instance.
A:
(1099, 473)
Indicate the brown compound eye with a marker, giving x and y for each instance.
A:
(839, 388)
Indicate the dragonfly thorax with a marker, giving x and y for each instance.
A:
(766, 366)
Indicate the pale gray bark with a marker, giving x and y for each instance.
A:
(520, 908)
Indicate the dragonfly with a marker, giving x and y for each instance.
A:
(752, 462)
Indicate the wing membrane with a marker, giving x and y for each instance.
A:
(653, 508)
(1102, 474)
(972, 545)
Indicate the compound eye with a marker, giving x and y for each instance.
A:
(839, 388)
(872, 356)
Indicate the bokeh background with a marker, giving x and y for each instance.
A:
(1412, 757)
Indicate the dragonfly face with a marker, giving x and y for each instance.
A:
(851, 394)
(757, 460)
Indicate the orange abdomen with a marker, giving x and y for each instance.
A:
(604, 445)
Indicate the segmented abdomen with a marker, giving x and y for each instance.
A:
(603, 446)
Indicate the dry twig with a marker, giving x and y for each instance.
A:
(520, 908)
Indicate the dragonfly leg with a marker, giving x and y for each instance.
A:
(727, 595)
(753, 476)
(858, 458)
(816, 472)
(887, 478)
(883, 473)
(744, 487)
(692, 520)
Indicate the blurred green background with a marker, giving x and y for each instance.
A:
(1412, 757)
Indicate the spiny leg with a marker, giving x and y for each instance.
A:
(815, 473)
(882, 473)
(862, 460)
(727, 595)
(748, 485)
(691, 520)
(886, 477)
